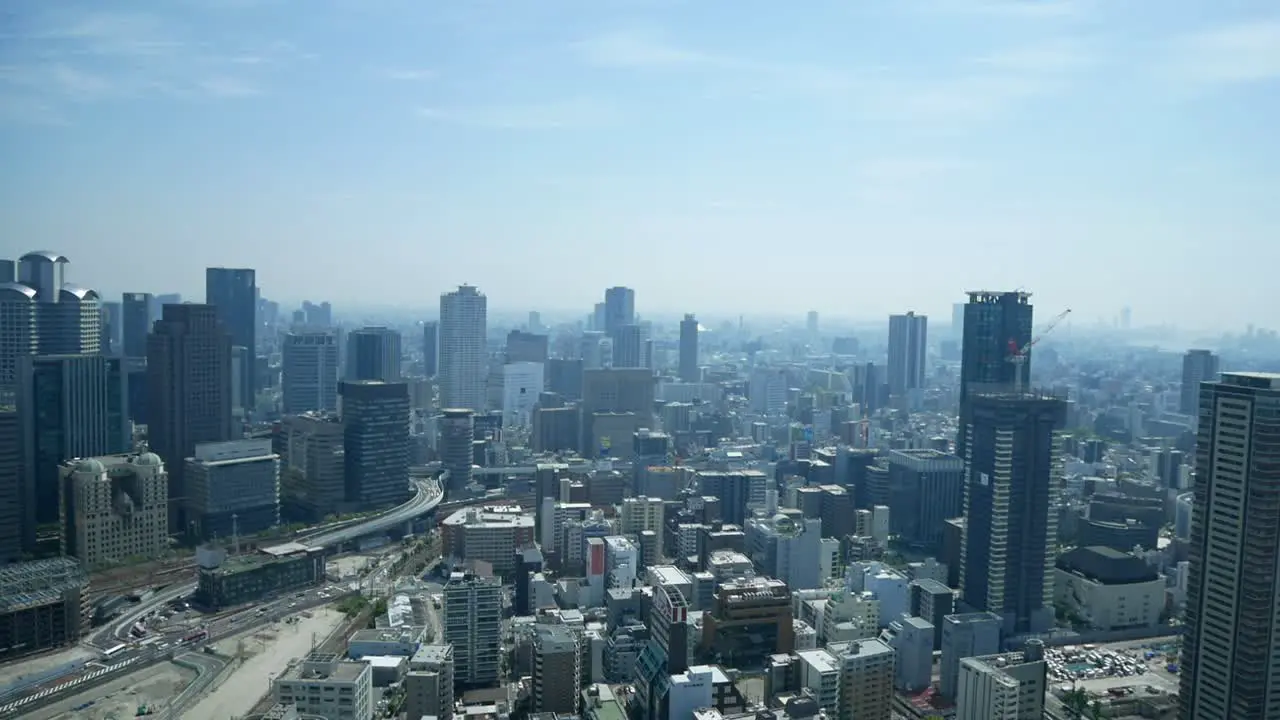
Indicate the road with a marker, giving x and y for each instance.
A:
(117, 632)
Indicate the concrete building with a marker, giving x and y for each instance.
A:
(188, 392)
(324, 684)
(14, 501)
(926, 488)
(429, 684)
(557, 670)
(638, 514)
(866, 679)
(490, 534)
(1198, 366)
(525, 346)
(912, 640)
(689, 370)
(966, 635)
(233, 489)
(312, 465)
(619, 309)
(373, 353)
(309, 372)
(473, 626)
(463, 348)
(1108, 589)
(116, 509)
(430, 348)
(135, 322)
(521, 386)
(818, 671)
(1231, 658)
(375, 418)
(457, 432)
(908, 349)
(624, 395)
(750, 619)
(1009, 686)
(224, 581)
(993, 322)
(233, 293)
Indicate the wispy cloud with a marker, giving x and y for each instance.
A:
(1240, 53)
(409, 75)
(558, 115)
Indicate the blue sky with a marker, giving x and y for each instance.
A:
(855, 157)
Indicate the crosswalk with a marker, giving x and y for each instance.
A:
(10, 709)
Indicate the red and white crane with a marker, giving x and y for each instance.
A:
(1018, 355)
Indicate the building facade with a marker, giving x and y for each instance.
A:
(116, 509)
(464, 359)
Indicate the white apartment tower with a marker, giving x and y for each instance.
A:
(464, 360)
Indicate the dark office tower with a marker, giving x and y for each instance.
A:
(8, 271)
(430, 347)
(110, 330)
(70, 406)
(619, 309)
(1197, 366)
(375, 418)
(526, 347)
(1231, 642)
(309, 372)
(628, 347)
(689, 370)
(564, 377)
(994, 322)
(135, 322)
(1013, 482)
(234, 292)
(908, 338)
(188, 391)
(373, 353)
(464, 353)
(457, 433)
(528, 563)
(624, 391)
(14, 500)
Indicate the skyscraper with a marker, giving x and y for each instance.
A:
(1013, 482)
(43, 314)
(994, 322)
(14, 498)
(375, 418)
(188, 391)
(464, 358)
(1231, 642)
(628, 347)
(234, 293)
(619, 309)
(430, 348)
(373, 353)
(457, 432)
(1197, 366)
(908, 344)
(70, 406)
(689, 371)
(136, 322)
(309, 372)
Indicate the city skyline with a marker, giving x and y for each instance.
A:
(1057, 146)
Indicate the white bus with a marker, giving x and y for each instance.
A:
(113, 651)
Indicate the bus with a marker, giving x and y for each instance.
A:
(113, 651)
(196, 636)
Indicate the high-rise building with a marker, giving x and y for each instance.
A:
(689, 370)
(464, 357)
(233, 292)
(72, 406)
(557, 669)
(995, 323)
(811, 322)
(1231, 642)
(867, 669)
(1197, 366)
(375, 417)
(14, 500)
(373, 353)
(473, 625)
(309, 372)
(110, 332)
(457, 432)
(908, 345)
(232, 489)
(1008, 686)
(430, 348)
(619, 309)
(526, 347)
(43, 314)
(135, 322)
(623, 392)
(1014, 477)
(628, 346)
(312, 468)
(188, 391)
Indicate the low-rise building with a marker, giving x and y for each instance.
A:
(1108, 589)
(324, 684)
(1007, 686)
(490, 534)
(228, 581)
(43, 605)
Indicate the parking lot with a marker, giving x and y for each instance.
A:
(1140, 667)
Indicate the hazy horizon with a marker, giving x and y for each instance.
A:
(719, 158)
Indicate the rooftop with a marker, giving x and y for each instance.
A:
(40, 582)
(859, 649)
(432, 655)
(820, 659)
(492, 516)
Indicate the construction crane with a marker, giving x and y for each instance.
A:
(1018, 355)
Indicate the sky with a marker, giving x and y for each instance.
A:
(857, 157)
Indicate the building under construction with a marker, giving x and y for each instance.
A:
(43, 605)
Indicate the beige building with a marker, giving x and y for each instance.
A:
(638, 514)
(866, 679)
(325, 685)
(116, 508)
(490, 534)
(428, 687)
